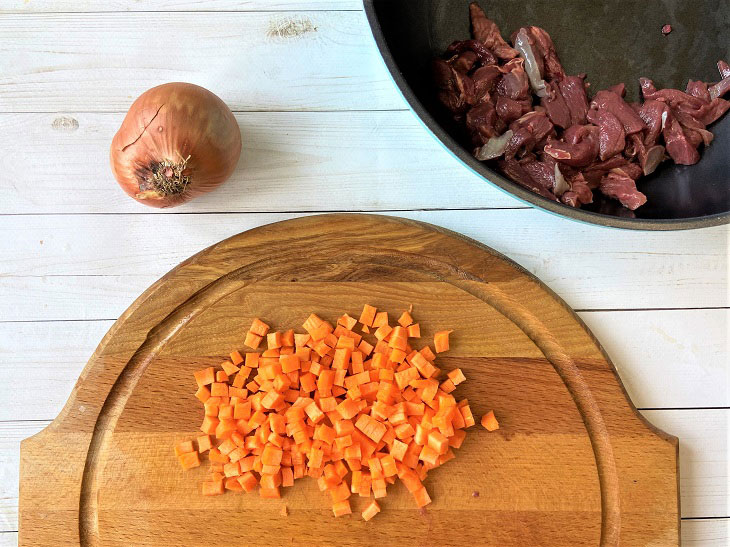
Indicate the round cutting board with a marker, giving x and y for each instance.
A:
(572, 464)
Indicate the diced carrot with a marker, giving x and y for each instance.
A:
(253, 340)
(287, 338)
(368, 315)
(289, 363)
(184, 447)
(427, 353)
(272, 399)
(405, 319)
(371, 510)
(229, 368)
(382, 332)
(209, 425)
(327, 403)
(456, 376)
(220, 377)
(388, 464)
(421, 496)
(441, 340)
(247, 481)
(188, 460)
(381, 318)
(205, 376)
(270, 493)
(468, 416)
(340, 492)
(287, 476)
(438, 442)
(365, 347)
(348, 409)
(270, 481)
(252, 360)
(259, 327)
(202, 394)
(347, 322)
(233, 484)
(489, 422)
(204, 443)
(212, 488)
(379, 487)
(273, 340)
(447, 386)
(341, 508)
(232, 469)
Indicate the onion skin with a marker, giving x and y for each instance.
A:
(177, 141)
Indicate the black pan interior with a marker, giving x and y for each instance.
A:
(610, 41)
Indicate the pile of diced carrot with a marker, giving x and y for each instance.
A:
(328, 404)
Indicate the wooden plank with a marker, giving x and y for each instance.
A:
(687, 349)
(292, 161)
(44, 6)
(636, 342)
(11, 433)
(41, 363)
(703, 458)
(706, 533)
(320, 60)
(8, 539)
(683, 269)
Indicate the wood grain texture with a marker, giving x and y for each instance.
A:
(291, 161)
(706, 533)
(595, 268)
(644, 346)
(702, 455)
(43, 6)
(319, 60)
(583, 449)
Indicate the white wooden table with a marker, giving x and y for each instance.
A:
(324, 130)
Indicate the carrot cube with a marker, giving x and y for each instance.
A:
(341, 508)
(205, 376)
(489, 422)
(189, 460)
(398, 450)
(456, 376)
(212, 488)
(368, 315)
(253, 340)
(270, 493)
(184, 447)
(441, 340)
(381, 318)
(259, 328)
(371, 510)
(209, 425)
(405, 319)
(421, 496)
(438, 442)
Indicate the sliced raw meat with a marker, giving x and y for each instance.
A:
(487, 32)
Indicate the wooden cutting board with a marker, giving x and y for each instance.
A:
(572, 464)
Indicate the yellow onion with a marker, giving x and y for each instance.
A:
(177, 141)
